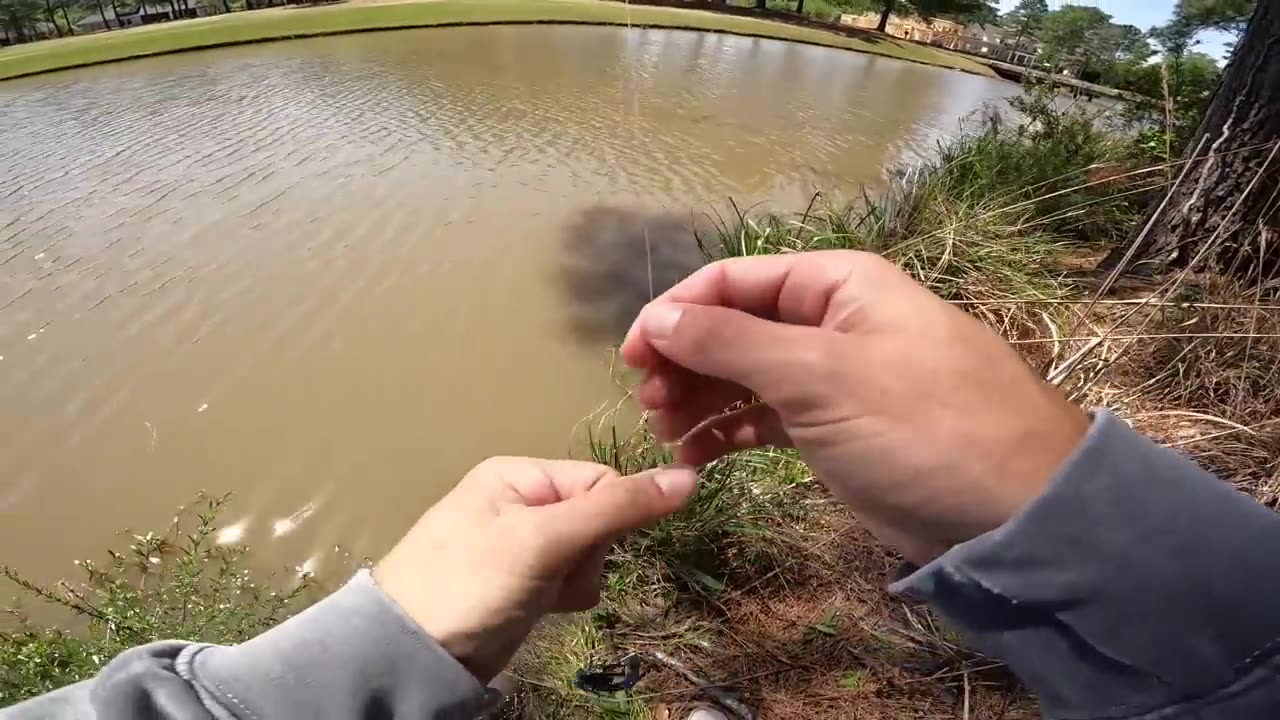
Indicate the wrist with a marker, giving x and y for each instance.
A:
(480, 638)
(1042, 450)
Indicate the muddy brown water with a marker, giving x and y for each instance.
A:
(331, 275)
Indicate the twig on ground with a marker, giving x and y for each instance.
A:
(712, 690)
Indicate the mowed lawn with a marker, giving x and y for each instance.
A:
(281, 23)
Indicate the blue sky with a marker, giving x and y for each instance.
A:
(1147, 14)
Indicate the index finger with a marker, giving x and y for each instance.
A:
(794, 288)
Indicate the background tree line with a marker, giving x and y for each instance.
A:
(981, 11)
(27, 20)
(1216, 130)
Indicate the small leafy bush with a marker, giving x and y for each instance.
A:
(177, 585)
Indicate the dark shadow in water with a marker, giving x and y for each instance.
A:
(606, 276)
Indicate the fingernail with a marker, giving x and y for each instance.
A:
(660, 320)
(676, 481)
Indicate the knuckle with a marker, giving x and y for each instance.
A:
(496, 463)
(650, 496)
(818, 360)
(864, 261)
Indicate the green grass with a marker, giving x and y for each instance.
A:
(734, 529)
(273, 24)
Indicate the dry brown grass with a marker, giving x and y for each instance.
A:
(831, 642)
(818, 637)
(1202, 378)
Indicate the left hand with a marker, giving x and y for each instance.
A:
(516, 539)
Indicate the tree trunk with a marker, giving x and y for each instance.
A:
(53, 19)
(102, 11)
(226, 6)
(1017, 43)
(762, 4)
(884, 16)
(799, 7)
(1233, 169)
(173, 10)
(71, 29)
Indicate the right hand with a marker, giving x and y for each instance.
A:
(929, 426)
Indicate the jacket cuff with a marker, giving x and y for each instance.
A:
(353, 654)
(1136, 580)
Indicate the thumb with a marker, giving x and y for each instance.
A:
(617, 505)
(732, 345)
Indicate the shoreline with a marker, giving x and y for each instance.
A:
(281, 24)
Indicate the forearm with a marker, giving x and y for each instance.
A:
(1137, 582)
(354, 654)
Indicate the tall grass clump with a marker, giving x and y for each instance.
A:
(989, 218)
(179, 584)
(745, 520)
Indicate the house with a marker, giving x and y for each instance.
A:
(145, 14)
(907, 28)
(990, 41)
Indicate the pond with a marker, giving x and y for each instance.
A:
(331, 275)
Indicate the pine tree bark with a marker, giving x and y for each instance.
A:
(102, 12)
(53, 19)
(1229, 191)
(884, 16)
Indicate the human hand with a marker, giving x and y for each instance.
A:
(929, 426)
(516, 539)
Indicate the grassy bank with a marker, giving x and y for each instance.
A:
(281, 23)
(763, 588)
(768, 590)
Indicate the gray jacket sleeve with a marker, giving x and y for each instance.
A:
(354, 654)
(1137, 586)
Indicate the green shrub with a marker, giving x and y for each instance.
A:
(177, 585)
